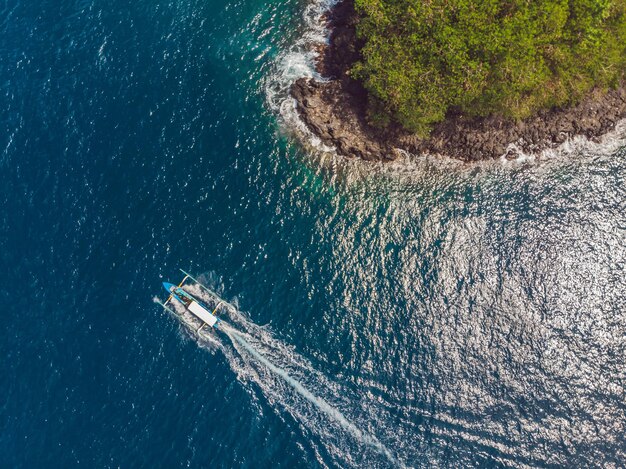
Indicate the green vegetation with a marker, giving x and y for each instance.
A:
(423, 58)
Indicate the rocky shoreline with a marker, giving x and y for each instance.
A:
(335, 109)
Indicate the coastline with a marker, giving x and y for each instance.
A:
(335, 111)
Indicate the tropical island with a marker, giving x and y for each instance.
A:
(470, 79)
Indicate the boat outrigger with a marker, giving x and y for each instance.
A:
(195, 306)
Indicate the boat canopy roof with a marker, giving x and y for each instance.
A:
(198, 310)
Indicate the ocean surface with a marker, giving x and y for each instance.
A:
(420, 314)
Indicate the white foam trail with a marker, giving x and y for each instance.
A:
(318, 402)
(243, 351)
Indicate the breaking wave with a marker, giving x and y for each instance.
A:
(294, 62)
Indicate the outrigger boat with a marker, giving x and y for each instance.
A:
(192, 304)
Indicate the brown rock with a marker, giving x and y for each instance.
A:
(335, 111)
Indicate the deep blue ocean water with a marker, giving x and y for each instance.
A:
(460, 316)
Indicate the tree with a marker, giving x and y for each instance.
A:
(425, 58)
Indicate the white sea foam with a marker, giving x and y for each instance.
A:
(298, 61)
(607, 144)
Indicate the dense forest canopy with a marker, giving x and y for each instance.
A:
(423, 58)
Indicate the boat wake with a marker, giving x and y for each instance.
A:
(318, 402)
(290, 383)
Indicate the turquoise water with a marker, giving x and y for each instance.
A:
(452, 316)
